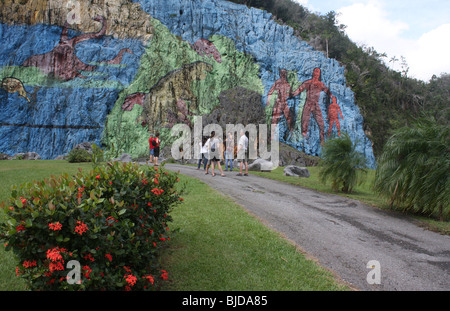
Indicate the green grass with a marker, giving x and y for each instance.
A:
(216, 245)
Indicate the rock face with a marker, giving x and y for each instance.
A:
(111, 71)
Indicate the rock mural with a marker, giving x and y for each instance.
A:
(77, 73)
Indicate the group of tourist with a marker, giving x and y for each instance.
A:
(212, 148)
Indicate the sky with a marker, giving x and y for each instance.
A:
(417, 30)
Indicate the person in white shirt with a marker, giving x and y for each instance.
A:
(214, 149)
(204, 152)
(242, 153)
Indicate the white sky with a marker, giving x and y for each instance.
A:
(418, 30)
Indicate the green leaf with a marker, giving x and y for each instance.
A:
(12, 222)
(18, 203)
(122, 211)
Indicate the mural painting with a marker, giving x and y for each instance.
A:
(333, 117)
(169, 73)
(283, 89)
(13, 85)
(62, 62)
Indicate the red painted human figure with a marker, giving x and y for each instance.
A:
(333, 116)
(280, 107)
(313, 88)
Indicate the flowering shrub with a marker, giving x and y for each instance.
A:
(112, 221)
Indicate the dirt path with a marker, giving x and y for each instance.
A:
(342, 234)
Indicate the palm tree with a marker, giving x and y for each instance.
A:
(413, 170)
(342, 164)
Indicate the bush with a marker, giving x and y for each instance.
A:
(413, 171)
(112, 222)
(342, 164)
(79, 155)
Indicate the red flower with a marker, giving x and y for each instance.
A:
(55, 266)
(55, 226)
(28, 264)
(164, 275)
(108, 256)
(131, 279)
(97, 177)
(23, 200)
(88, 271)
(81, 228)
(157, 191)
(89, 257)
(149, 278)
(110, 220)
(20, 228)
(54, 254)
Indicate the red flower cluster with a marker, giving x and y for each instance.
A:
(55, 226)
(29, 264)
(81, 228)
(20, 228)
(80, 191)
(89, 256)
(131, 279)
(55, 257)
(157, 191)
(164, 274)
(87, 271)
(149, 278)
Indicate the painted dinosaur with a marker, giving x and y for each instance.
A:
(62, 62)
(165, 102)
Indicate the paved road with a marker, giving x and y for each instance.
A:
(342, 234)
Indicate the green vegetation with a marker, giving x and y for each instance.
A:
(342, 164)
(78, 155)
(413, 171)
(113, 221)
(216, 244)
(388, 99)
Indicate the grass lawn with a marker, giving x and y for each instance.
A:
(216, 245)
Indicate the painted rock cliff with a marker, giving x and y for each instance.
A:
(111, 72)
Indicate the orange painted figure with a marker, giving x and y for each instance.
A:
(313, 88)
(333, 116)
(280, 107)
